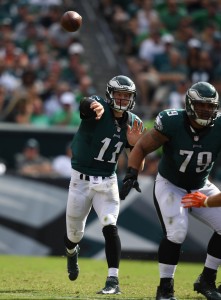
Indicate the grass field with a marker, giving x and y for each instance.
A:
(30, 277)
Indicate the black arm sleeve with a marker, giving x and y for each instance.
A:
(85, 111)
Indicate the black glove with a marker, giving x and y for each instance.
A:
(129, 182)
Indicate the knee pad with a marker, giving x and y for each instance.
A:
(110, 231)
(75, 237)
(177, 236)
(108, 220)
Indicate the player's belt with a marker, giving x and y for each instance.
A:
(86, 177)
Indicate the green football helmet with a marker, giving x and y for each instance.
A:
(202, 92)
(122, 84)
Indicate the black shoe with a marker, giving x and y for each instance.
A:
(165, 291)
(208, 289)
(111, 286)
(72, 264)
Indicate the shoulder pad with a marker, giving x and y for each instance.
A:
(132, 117)
(169, 112)
(218, 115)
(168, 120)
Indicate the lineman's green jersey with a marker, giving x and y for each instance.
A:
(98, 143)
(189, 155)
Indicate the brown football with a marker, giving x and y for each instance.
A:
(71, 21)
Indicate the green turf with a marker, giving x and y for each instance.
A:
(23, 277)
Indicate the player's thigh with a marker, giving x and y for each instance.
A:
(173, 217)
(107, 203)
(79, 198)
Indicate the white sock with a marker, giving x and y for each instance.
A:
(113, 272)
(212, 262)
(167, 271)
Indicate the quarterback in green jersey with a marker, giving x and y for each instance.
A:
(107, 127)
(191, 141)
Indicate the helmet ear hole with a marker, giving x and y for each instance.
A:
(120, 83)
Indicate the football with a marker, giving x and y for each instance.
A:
(71, 21)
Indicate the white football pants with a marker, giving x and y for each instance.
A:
(102, 193)
(175, 217)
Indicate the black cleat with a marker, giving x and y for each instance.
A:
(72, 264)
(165, 291)
(208, 289)
(111, 286)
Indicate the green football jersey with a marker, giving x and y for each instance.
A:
(97, 144)
(189, 155)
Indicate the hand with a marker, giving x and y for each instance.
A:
(129, 182)
(135, 132)
(98, 109)
(195, 199)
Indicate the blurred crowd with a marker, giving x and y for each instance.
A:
(31, 162)
(168, 46)
(43, 73)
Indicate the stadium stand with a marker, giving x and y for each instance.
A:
(163, 45)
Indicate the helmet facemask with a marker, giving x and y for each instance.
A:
(204, 117)
(121, 104)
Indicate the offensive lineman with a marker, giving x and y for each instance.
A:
(191, 140)
(107, 127)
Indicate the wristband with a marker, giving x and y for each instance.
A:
(205, 203)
